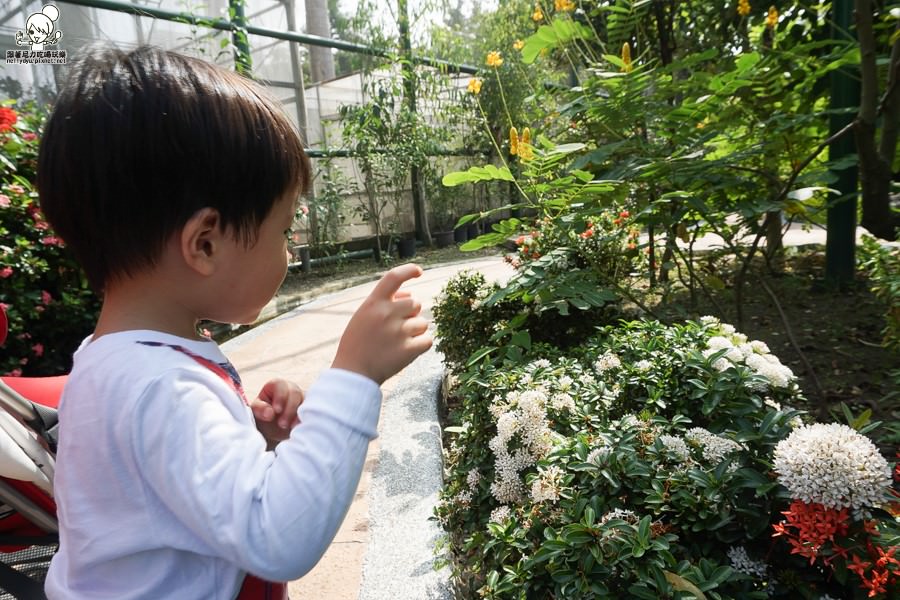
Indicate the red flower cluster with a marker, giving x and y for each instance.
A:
(8, 118)
(621, 218)
(808, 527)
(588, 232)
(884, 569)
(527, 245)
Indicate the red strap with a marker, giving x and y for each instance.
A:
(225, 371)
(255, 588)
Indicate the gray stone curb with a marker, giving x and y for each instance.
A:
(399, 562)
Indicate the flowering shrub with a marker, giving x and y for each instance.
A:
(473, 316)
(49, 305)
(659, 461)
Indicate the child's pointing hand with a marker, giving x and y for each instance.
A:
(386, 333)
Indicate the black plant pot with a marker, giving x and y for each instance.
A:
(473, 231)
(442, 239)
(406, 248)
(460, 235)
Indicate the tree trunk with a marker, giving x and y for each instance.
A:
(874, 159)
(321, 60)
(374, 213)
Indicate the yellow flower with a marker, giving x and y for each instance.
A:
(475, 85)
(520, 146)
(538, 14)
(525, 150)
(494, 59)
(743, 8)
(518, 44)
(772, 18)
(626, 57)
(564, 5)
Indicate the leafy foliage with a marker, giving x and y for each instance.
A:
(634, 464)
(49, 305)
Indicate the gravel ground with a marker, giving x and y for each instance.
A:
(399, 562)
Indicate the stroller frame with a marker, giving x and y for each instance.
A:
(27, 446)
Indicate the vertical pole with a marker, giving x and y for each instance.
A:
(840, 243)
(409, 87)
(297, 71)
(242, 61)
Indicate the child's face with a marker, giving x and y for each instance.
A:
(254, 274)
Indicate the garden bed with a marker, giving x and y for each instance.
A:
(671, 459)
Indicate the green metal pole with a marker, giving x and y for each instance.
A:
(840, 242)
(409, 89)
(292, 36)
(243, 63)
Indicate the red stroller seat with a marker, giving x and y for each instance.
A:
(28, 525)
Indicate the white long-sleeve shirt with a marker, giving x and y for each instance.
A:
(164, 485)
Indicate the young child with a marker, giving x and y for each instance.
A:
(174, 182)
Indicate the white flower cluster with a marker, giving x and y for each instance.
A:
(473, 478)
(833, 465)
(677, 446)
(624, 514)
(630, 421)
(598, 455)
(741, 562)
(562, 401)
(643, 365)
(523, 416)
(607, 362)
(715, 447)
(500, 514)
(541, 363)
(738, 351)
(524, 435)
(464, 497)
(547, 486)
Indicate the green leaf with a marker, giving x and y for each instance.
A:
(583, 176)
(683, 585)
(476, 174)
(483, 241)
(521, 339)
(477, 356)
(552, 36)
(862, 420)
(747, 61)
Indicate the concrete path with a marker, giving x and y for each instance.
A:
(384, 548)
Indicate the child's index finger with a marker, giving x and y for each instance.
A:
(393, 279)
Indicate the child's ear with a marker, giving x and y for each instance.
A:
(201, 241)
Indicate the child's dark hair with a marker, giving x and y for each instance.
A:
(138, 141)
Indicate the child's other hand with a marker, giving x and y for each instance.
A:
(386, 333)
(275, 410)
